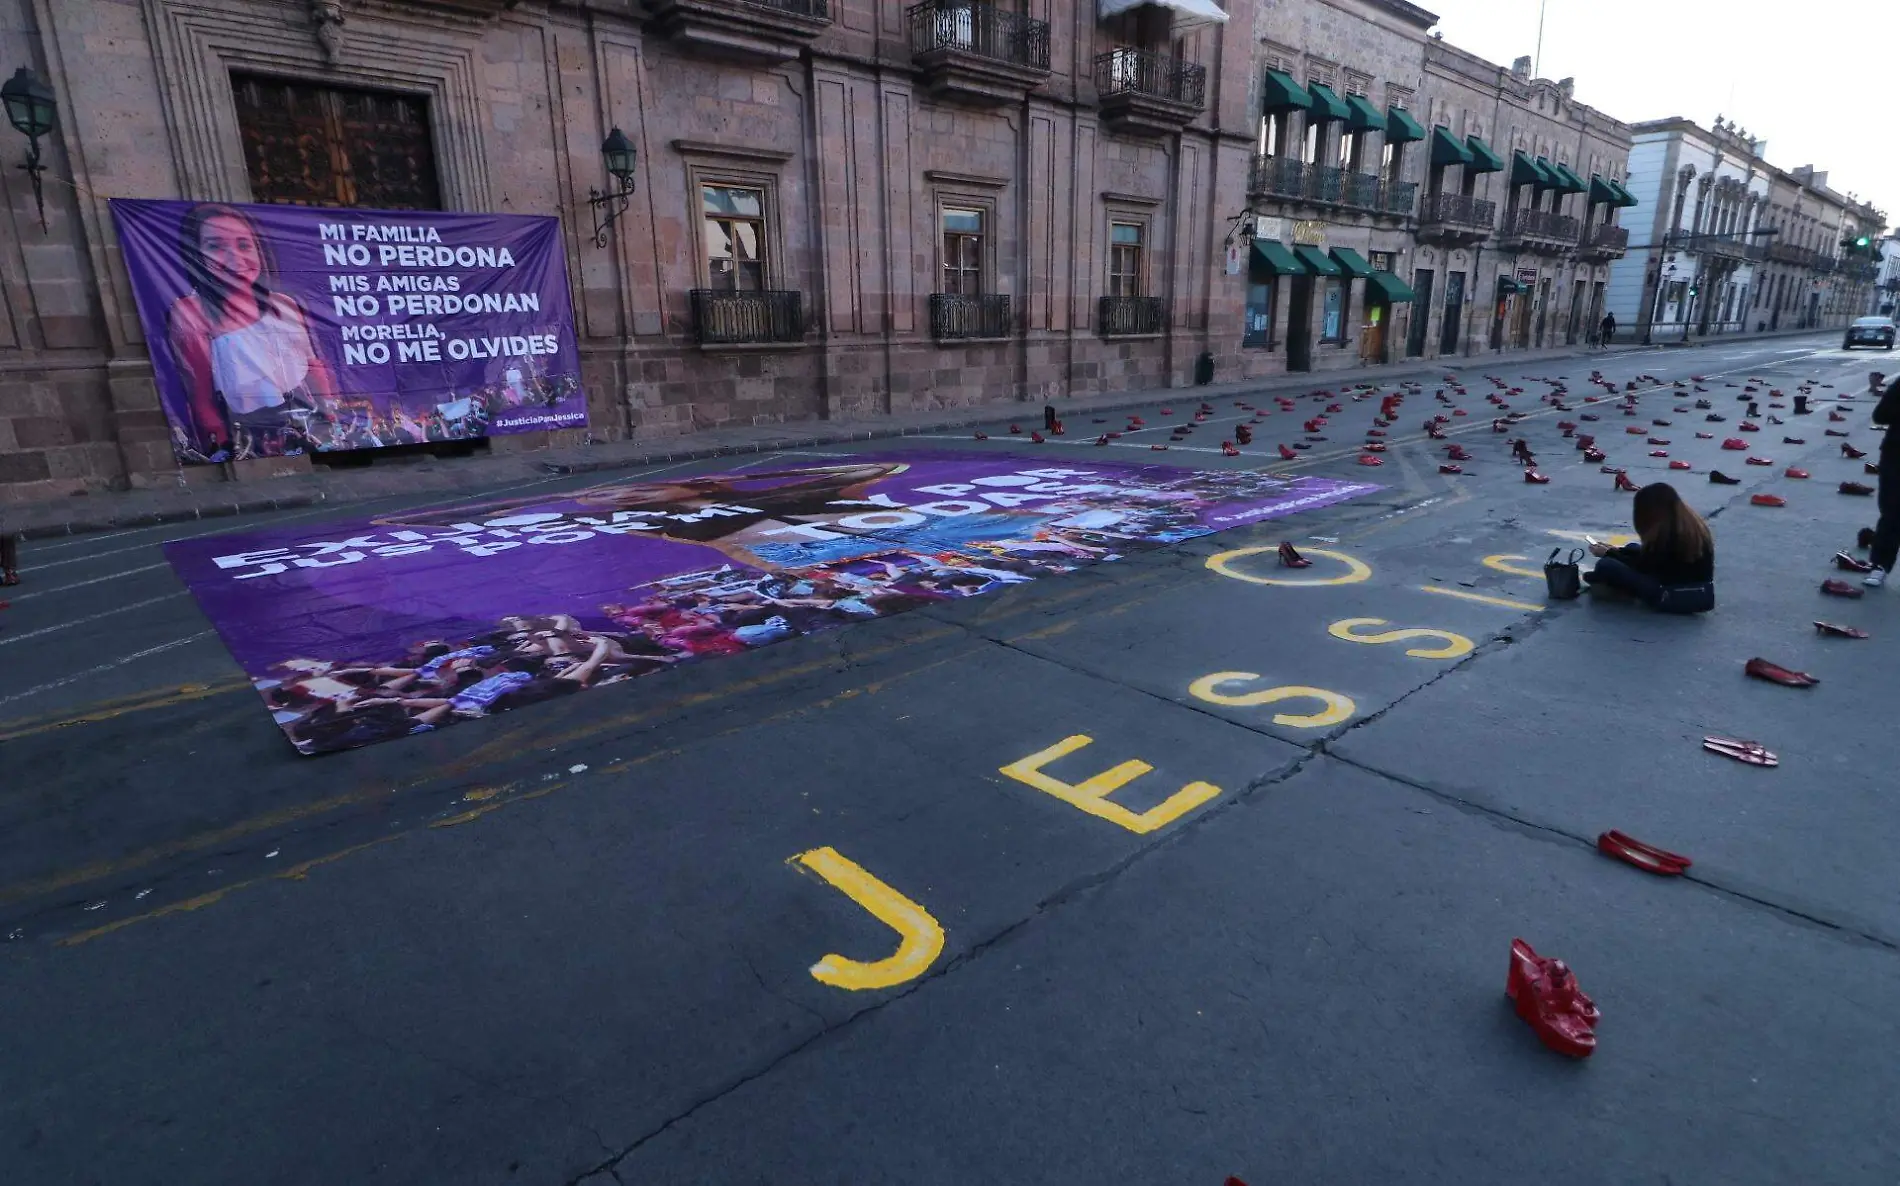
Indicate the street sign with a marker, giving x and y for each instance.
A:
(1527, 275)
(1234, 256)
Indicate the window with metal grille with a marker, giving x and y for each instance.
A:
(311, 145)
(962, 251)
(1124, 258)
(735, 237)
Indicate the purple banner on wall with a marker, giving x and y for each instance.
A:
(280, 329)
(358, 632)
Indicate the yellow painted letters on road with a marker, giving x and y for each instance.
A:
(1455, 644)
(1337, 708)
(920, 937)
(1092, 795)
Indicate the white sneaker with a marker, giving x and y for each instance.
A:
(1876, 578)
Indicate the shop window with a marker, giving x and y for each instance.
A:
(310, 145)
(1334, 329)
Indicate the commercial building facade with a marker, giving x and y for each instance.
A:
(839, 207)
(1733, 244)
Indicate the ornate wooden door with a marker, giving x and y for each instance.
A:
(310, 145)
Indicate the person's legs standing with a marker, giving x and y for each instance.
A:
(1887, 534)
(9, 559)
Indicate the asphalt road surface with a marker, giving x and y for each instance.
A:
(849, 909)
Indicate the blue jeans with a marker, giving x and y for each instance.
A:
(1670, 599)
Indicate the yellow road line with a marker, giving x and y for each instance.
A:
(105, 710)
(1508, 603)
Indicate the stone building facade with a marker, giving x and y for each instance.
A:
(1733, 244)
(840, 207)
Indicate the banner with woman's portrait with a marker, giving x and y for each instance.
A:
(276, 330)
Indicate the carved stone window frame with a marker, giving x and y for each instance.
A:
(201, 43)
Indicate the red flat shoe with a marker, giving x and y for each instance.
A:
(1532, 477)
(1794, 440)
(1016, 429)
(1637, 430)
(1037, 438)
(1546, 996)
(1158, 448)
(1830, 629)
(1749, 753)
(1659, 452)
(1794, 472)
(1457, 453)
(1369, 460)
(1761, 461)
(1832, 432)
(1136, 422)
(1167, 411)
(1658, 441)
(1594, 455)
(1852, 454)
(1680, 465)
(1834, 588)
(1623, 483)
(1774, 673)
(982, 436)
(1847, 563)
(1451, 469)
(1749, 426)
(1858, 489)
(1291, 558)
(1375, 447)
(1645, 857)
(1768, 500)
(1287, 454)
(1735, 444)
(1227, 447)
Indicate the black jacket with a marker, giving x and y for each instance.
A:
(1886, 413)
(1667, 569)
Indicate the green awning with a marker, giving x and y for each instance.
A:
(1567, 182)
(1316, 259)
(1352, 261)
(1509, 287)
(1270, 259)
(1391, 288)
(1447, 149)
(1401, 128)
(1525, 171)
(1362, 116)
(1624, 198)
(1280, 93)
(1326, 106)
(1550, 173)
(1603, 191)
(1483, 160)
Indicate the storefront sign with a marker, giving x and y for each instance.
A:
(1270, 228)
(1527, 275)
(1309, 232)
(1236, 256)
(280, 329)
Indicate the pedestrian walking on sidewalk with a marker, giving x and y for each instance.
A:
(1607, 330)
(1887, 534)
(9, 559)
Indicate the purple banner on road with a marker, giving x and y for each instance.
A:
(277, 329)
(359, 632)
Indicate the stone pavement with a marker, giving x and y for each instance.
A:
(147, 507)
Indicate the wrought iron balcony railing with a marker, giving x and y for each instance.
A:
(1541, 225)
(1459, 210)
(983, 30)
(1121, 316)
(1156, 76)
(1291, 178)
(1607, 239)
(955, 316)
(721, 317)
(1400, 197)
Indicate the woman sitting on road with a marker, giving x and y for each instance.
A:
(1673, 568)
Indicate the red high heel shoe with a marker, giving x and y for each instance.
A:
(1546, 996)
(1533, 478)
(1646, 857)
(1287, 454)
(1624, 485)
(1291, 558)
(1830, 628)
(1774, 673)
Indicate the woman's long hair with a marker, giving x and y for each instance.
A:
(1669, 526)
(209, 289)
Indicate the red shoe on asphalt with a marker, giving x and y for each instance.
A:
(1648, 858)
(1546, 996)
(1624, 485)
(1369, 460)
(1761, 461)
(1834, 588)
(1226, 447)
(1457, 453)
(1594, 455)
(1830, 628)
(1774, 673)
(1658, 441)
(1847, 563)
(1794, 440)
(1859, 489)
(1637, 430)
(1451, 469)
(1735, 444)
(982, 436)
(1768, 500)
(1871, 468)
(1532, 477)
(1659, 452)
(1036, 437)
(1680, 465)
(1832, 432)
(1795, 472)
(1291, 558)
(1287, 454)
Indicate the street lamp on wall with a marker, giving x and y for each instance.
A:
(621, 157)
(30, 109)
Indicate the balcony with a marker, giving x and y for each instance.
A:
(761, 33)
(724, 318)
(965, 318)
(1719, 246)
(1604, 242)
(1292, 180)
(1456, 218)
(1148, 94)
(1540, 230)
(978, 53)
(1131, 316)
